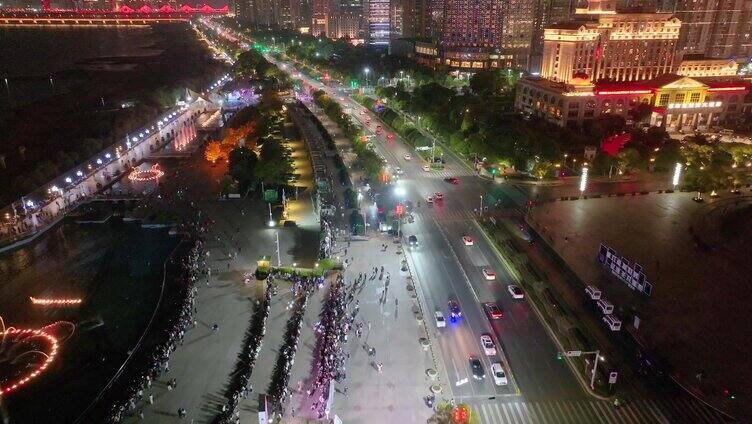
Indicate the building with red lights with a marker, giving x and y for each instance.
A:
(676, 103)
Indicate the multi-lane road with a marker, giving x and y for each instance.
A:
(448, 269)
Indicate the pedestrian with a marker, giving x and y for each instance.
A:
(151, 399)
(141, 414)
(182, 413)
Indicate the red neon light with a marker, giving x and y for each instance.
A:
(607, 93)
(19, 335)
(740, 88)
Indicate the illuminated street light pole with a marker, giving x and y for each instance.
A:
(677, 174)
(279, 260)
(584, 179)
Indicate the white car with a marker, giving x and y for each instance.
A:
(398, 171)
(488, 274)
(408, 156)
(489, 348)
(429, 199)
(468, 240)
(426, 168)
(440, 320)
(499, 376)
(516, 292)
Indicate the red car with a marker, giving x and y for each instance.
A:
(493, 310)
(390, 136)
(452, 180)
(439, 196)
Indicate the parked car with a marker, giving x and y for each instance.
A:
(440, 320)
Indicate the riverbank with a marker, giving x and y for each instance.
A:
(91, 98)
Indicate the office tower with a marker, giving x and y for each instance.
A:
(320, 17)
(346, 21)
(715, 28)
(378, 23)
(471, 24)
(518, 32)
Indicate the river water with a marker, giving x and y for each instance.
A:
(41, 62)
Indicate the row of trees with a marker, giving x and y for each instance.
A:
(368, 161)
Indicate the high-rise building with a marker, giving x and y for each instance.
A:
(320, 17)
(346, 21)
(471, 24)
(715, 28)
(397, 18)
(518, 32)
(378, 23)
(605, 45)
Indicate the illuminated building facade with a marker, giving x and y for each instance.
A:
(378, 23)
(715, 28)
(471, 24)
(677, 102)
(606, 45)
(347, 22)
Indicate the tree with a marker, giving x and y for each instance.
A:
(213, 152)
(486, 82)
(242, 166)
(628, 158)
(543, 169)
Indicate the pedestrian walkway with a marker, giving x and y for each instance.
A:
(665, 411)
(441, 214)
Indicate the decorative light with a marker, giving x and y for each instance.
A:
(23, 334)
(107, 155)
(134, 139)
(583, 179)
(128, 144)
(99, 161)
(29, 203)
(153, 173)
(79, 174)
(68, 180)
(677, 174)
(54, 302)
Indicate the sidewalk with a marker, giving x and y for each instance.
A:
(394, 395)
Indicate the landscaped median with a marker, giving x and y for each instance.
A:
(561, 323)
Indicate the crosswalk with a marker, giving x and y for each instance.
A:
(443, 214)
(662, 411)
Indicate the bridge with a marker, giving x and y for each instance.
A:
(122, 16)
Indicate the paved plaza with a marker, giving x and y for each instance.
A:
(698, 301)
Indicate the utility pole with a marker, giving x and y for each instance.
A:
(597, 353)
(279, 259)
(481, 205)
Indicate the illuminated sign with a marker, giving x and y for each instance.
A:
(619, 92)
(742, 88)
(629, 273)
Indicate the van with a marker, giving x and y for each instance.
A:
(593, 292)
(605, 306)
(613, 323)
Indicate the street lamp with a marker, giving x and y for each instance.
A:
(366, 70)
(583, 179)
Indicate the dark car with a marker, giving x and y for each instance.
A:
(477, 368)
(412, 240)
(452, 180)
(454, 309)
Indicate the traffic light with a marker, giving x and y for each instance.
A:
(558, 356)
(354, 84)
(493, 172)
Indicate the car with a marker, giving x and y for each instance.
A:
(429, 199)
(516, 292)
(426, 168)
(488, 274)
(398, 171)
(412, 240)
(368, 122)
(390, 136)
(476, 367)
(439, 196)
(493, 310)
(454, 309)
(468, 240)
(489, 348)
(499, 376)
(452, 180)
(362, 112)
(408, 156)
(440, 320)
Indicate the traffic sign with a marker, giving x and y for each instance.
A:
(573, 353)
(612, 377)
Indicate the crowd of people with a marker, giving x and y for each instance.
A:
(327, 239)
(240, 386)
(177, 323)
(278, 390)
(333, 326)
